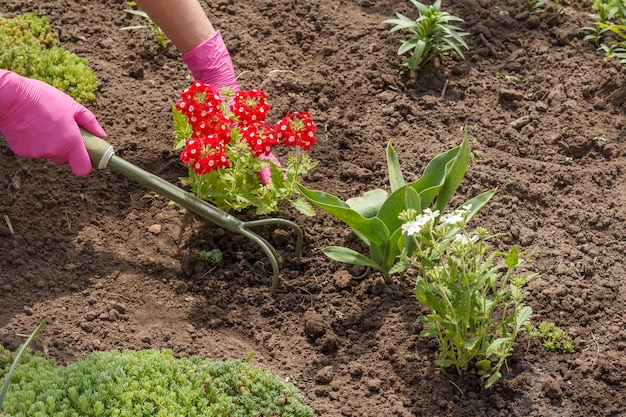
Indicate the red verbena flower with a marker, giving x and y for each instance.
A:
(214, 123)
(296, 129)
(250, 106)
(260, 137)
(204, 154)
(198, 101)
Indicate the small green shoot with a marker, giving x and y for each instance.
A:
(159, 35)
(213, 255)
(20, 352)
(432, 35)
(553, 338)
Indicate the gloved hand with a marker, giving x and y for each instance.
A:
(40, 121)
(265, 174)
(210, 63)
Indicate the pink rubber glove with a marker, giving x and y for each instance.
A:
(39, 121)
(210, 63)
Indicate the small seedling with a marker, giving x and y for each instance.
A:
(554, 339)
(159, 35)
(213, 255)
(432, 35)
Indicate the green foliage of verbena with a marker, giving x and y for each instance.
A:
(29, 47)
(146, 383)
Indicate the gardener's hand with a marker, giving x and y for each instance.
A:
(40, 121)
(210, 63)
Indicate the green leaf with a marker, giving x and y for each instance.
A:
(369, 203)
(182, 128)
(484, 365)
(389, 212)
(372, 229)
(512, 258)
(412, 199)
(396, 179)
(470, 344)
(428, 185)
(301, 205)
(454, 175)
(497, 347)
(19, 354)
(393, 249)
(349, 256)
(522, 318)
(492, 379)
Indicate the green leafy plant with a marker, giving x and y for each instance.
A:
(158, 33)
(374, 217)
(608, 31)
(148, 383)
(432, 35)
(227, 146)
(29, 47)
(476, 310)
(553, 338)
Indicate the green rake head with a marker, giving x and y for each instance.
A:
(103, 156)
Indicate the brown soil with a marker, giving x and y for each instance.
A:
(83, 250)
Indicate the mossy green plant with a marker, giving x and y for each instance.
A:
(29, 47)
(553, 338)
(147, 383)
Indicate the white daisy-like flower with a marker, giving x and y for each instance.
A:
(463, 239)
(415, 226)
(457, 217)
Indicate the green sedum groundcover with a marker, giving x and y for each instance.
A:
(147, 383)
(29, 47)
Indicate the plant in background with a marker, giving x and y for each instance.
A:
(432, 35)
(158, 33)
(553, 338)
(148, 383)
(227, 146)
(29, 47)
(374, 217)
(476, 310)
(536, 4)
(608, 31)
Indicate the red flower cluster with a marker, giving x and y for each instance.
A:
(205, 150)
(296, 129)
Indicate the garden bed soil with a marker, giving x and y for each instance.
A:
(117, 267)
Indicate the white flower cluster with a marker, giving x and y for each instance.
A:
(457, 218)
(415, 226)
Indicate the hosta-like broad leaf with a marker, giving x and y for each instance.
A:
(372, 229)
(455, 172)
(396, 179)
(369, 203)
(428, 185)
(349, 256)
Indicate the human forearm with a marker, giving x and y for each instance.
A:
(183, 21)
